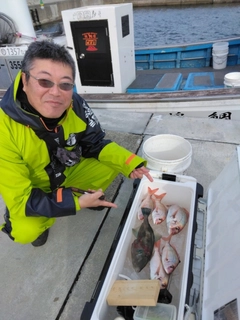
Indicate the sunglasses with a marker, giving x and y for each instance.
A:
(65, 86)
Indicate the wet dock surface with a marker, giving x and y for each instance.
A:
(55, 281)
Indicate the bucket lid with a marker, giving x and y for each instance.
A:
(167, 153)
(223, 50)
(183, 145)
(232, 76)
(218, 45)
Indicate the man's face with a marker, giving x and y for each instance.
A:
(49, 102)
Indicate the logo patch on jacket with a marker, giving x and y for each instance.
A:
(92, 119)
(71, 141)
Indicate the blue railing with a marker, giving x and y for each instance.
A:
(185, 56)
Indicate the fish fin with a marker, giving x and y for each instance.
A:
(174, 214)
(152, 191)
(157, 243)
(135, 232)
(146, 211)
(160, 196)
(158, 270)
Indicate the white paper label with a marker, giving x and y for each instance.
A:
(13, 51)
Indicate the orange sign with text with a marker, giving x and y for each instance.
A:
(90, 39)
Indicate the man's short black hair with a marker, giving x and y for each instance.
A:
(47, 50)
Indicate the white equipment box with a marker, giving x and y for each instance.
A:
(101, 41)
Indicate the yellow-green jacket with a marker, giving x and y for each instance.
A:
(34, 161)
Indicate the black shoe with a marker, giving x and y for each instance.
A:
(41, 240)
(7, 228)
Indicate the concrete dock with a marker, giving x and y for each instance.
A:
(53, 282)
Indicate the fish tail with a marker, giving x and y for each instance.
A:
(152, 191)
(146, 211)
(160, 196)
(167, 239)
(157, 244)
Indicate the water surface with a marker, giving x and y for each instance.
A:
(154, 26)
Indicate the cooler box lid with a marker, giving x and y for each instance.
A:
(221, 293)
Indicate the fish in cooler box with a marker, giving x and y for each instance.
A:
(170, 258)
(142, 246)
(177, 218)
(176, 247)
(147, 202)
(160, 211)
(157, 270)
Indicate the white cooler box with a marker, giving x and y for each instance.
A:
(206, 283)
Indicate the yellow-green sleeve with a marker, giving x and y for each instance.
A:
(120, 159)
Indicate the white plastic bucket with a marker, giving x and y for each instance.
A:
(219, 60)
(220, 53)
(220, 46)
(167, 153)
(224, 51)
(232, 80)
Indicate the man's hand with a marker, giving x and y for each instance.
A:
(138, 173)
(88, 200)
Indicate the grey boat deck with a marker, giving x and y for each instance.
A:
(160, 85)
(209, 84)
(55, 281)
(181, 79)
